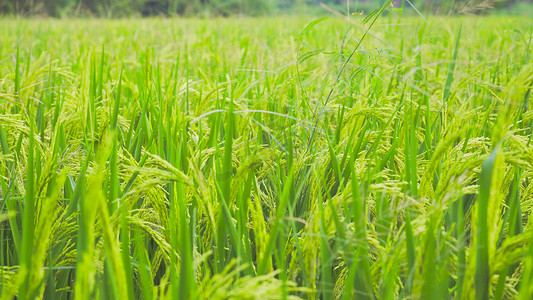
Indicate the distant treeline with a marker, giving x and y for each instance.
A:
(124, 8)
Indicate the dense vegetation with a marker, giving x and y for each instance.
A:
(122, 8)
(266, 158)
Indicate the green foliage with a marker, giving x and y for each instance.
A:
(125, 8)
(284, 158)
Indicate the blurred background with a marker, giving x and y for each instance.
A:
(207, 8)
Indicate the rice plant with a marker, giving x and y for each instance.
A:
(266, 158)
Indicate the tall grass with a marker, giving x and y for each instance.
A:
(266, 158)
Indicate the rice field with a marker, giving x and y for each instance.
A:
(361, 157)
